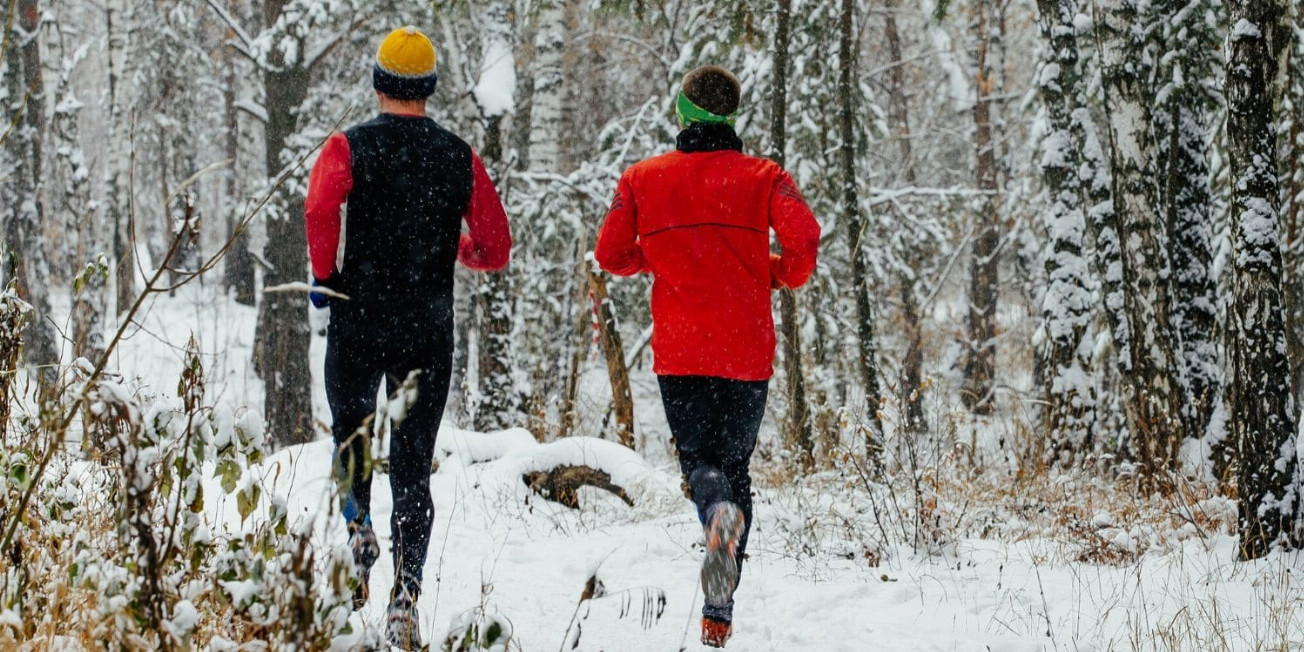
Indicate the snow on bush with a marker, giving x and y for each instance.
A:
(113, 547)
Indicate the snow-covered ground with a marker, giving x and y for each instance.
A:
(815, 579)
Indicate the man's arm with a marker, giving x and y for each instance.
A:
(797, 231)
(617, 250)
(329, 186)
(488, 246)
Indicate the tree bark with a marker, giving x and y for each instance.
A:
(1151, 383)
(238, 273)
(499, 404)
(849, 151)
(984, 261)
(119, 213)
(1260, 403)
(546, 106)
(28, 264)
(1182, 135)
(283, 331)
(911, 385)
(614, 349)
(797, 426)
(1067, 305)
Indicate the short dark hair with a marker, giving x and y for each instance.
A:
(713, 88)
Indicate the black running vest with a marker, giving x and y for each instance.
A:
(412, 185)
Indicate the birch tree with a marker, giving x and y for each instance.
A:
(26, 260)
(1151, 389)
(1260, 400)
(498, 401)
(1182, 136)
(549, 87)
(1067, 306)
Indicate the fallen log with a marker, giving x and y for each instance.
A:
(561, 484)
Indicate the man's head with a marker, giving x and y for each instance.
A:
(405, 66)
(709, 94)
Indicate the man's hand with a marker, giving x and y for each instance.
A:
(318, 299)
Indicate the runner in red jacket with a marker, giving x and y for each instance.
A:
(698, 219)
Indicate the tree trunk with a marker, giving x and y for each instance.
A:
(1182, 136)
(283, 331)
(796, 427)
(14, 315)
(238, 274)
(849, 150)
(28, 264)
(549, 87)
(1151, 387)
(1067, 306)
(614, 349)
(580, 338)
(911, 385)
(499, 404)
(1260, 404)
(119, 212)
(984, 261)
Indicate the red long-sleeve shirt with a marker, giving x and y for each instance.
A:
(486, 246)
(700, 223)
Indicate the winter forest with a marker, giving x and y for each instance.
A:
(1040, 393)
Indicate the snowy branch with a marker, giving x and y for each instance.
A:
(245, 42)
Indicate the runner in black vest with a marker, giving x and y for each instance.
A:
(386, 203)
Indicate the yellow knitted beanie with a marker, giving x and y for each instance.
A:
(406, 52)
(405, 65)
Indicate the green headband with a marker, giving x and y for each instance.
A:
(689, 113)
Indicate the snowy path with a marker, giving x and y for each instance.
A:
(533, 558)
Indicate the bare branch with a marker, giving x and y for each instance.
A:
(245, 44)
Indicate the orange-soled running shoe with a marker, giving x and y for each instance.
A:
(715, 633)
(720, 566)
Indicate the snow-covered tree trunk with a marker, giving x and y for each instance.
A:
(1151, 386)
(796, 426)
(984, 256)
(117, 205)
(283, 333)
(498, 403)
(1182, 137)
(24, 217)
(849, 151)
(1110, 319)
(1293, 218)
(549, 87)
(1067, 305)
(88, 289)
(1260, 401)
(911, 384)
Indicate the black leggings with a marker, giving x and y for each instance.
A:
(714, 422)
(362, 347)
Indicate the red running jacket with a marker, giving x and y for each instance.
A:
(700, 223)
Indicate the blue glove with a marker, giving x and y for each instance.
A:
(318, 299)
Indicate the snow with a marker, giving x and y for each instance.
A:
(818, 577)
(1245, 29)
(495, 92)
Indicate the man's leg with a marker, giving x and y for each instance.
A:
(743, 407)
(693, 407)
(351, 383)
(687, 407)
(411, 452)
